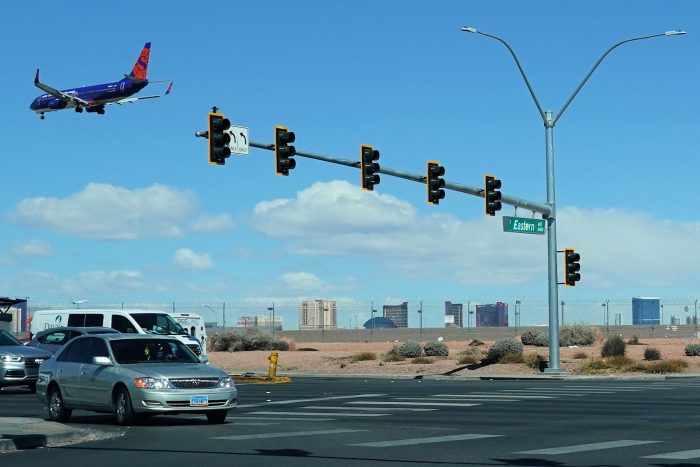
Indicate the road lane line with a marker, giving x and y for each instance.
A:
(679, 455)
(452, 399)
(494, 396)
(286, 434)
(296, 401)
(322, 414)
(432, 439)
(342, 407)
(442, 404)
(306, 419)
(588, 447)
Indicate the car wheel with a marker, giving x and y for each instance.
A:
(32, 387)
(57, 409)
(217, 417)
(123, 410)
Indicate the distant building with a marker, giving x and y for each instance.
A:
(493, 315)
(398, 314)
(453, 315)
(379, 322)
(646, 310)
(675, 320)
(259, 322)
(618, 319)
(317, 314)
(690, 320)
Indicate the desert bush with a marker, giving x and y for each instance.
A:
(307, 349)
(633, 341)
(475, 343)
(533, 360)
(580, 356)
(393, 355)
(423, 360)
(512, 358)
(666, 366)
(469, 359)
(652, 353)
(410, 349)
(504, 346)
(436, 349)
(613, 346)
(529, 337)
(232, 341)
(692, 350)
(363, 357)
(577, 334)
(607, 365)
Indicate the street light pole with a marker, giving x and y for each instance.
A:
(517, 316)
(549, 121)
(420, 313)
(696, 318)
(272, 310)
(562, 312)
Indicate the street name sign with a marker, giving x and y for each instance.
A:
(523, 225)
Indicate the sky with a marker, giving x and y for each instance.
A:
(124, 207)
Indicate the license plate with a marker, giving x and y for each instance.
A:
(199, 401)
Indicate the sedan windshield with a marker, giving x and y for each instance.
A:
(7, 339)
(131, 351)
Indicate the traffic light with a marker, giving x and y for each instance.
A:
(571, 267)
(218, 138)
(492, 197)
(369, 167)
(435, 183)
(283, 151)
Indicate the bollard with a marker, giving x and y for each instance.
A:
(272, 371)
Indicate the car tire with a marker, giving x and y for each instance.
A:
(32, 387)
(217, 417)
(123, 410)
(57, 409)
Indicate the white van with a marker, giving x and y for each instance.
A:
(193, 325)
(127, 321)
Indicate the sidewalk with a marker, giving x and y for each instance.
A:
(17, 433)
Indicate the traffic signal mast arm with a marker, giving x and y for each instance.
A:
(541, 208)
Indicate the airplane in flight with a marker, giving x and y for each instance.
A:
(95, 98)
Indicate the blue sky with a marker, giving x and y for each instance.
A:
(125, 207)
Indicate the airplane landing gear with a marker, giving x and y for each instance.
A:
(79, 109)
(101, 111)
(42, 115)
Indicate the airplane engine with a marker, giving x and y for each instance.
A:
(57, 104)
(99, 109)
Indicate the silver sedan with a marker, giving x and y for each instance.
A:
(132, 376)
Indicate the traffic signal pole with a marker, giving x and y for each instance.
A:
(541, 208)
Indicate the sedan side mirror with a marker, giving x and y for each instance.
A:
(203, 359)
(104, 361)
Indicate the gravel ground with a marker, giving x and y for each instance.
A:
(337, 358)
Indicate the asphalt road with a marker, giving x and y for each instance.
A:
(324, 421)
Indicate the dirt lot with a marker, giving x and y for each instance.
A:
(336, 358)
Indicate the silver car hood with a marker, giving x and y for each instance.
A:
(24, 351)
(176, 370)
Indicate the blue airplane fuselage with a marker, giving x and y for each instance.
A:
(96, 95)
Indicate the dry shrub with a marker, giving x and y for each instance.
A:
(393, 355)
(533, 360)
(469, 359)
(511, 358)
(664, 366)
(580, 356)
(423, 360)
(475, 343)
(363, 357)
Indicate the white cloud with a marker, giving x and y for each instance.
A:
(303, 281)
(617, 247)
(107, 212)
(98, 282)
(32, 248)
(188, 259)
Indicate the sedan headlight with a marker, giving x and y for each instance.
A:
(226, 382)
(10, 358)
(152, 383)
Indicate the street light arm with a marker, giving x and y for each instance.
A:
(517, 62)
(602, 57)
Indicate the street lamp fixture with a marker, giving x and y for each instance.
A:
(550, 119)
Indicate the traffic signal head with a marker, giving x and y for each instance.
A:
(571, 267)
(218, 138)
(435, 182)
(283, 151)
(369, 167)
(492, 197)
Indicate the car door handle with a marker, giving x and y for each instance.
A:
(83, 372)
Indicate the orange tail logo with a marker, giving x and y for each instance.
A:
(141, 67)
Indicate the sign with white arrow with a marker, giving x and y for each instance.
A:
(239, 140)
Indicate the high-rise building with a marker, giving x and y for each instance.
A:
(453, 315)
(646, 310)
(493, 315)
(317, 314)
(398, 314)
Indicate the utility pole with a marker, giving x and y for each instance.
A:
(420, 313)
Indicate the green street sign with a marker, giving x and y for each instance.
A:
(523, 225)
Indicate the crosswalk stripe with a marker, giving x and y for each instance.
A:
(286, 434)
(467, 399)
(494, 396)
(306, 419)
(587, 447)
(315, 399)
(342, 407)
(440, 404)
(680, 455)
(322, 414)
(432, 439)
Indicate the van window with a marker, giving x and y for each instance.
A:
(85, 319)
(76, 319)
(122, 324)
(158, 323)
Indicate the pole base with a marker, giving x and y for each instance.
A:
(556, 371)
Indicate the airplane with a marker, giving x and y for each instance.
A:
(95, 98)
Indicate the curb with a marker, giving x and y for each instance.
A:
(21, 433)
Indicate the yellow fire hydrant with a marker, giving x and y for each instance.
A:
(272, 371)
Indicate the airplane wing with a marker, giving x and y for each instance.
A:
(133, 100)
(58, 94)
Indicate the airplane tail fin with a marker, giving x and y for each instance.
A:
(141, 66)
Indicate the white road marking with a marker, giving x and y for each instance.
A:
(295, 401)
(306, 419)
(432, 439)
(322, 414)
(342, 407)
(691, 454)
(452, 399)
(442, 404)
(286, 434)
(490, 395)
(588, 447)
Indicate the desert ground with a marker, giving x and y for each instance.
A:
(337, 358)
